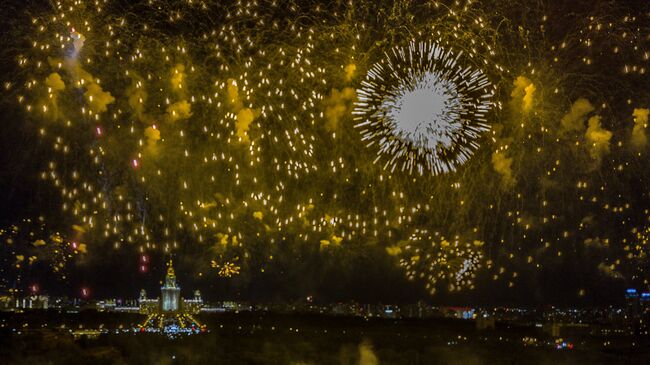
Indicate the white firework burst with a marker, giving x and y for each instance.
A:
(423, 108)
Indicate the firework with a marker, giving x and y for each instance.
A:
(31, 243)
(226, 130)
(423, 108)
(227, 269)
(433, 258)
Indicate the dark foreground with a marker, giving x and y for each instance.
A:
(259, 338)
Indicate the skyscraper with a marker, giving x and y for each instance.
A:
(171, 292)
(170, 313)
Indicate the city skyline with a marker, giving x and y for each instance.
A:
(325, 182)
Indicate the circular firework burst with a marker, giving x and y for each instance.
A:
(424, 108)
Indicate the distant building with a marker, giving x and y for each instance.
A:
(195, 304)
(106, 305)
(644, 302)
(637, 312)
(28, 302)
(458, 312)
(170, 313)
(632, 303)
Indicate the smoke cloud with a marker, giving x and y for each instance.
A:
(97, 98)
(574, 120)
(598, 139)
(522, 94)
(179, 110)
(55, 82)
(367, 354)
(503, 165)
(337, 105)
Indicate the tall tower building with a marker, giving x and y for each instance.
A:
(171, 292)
(171, 314)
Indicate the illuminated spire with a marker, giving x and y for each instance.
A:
(170, 270)
(170, 279)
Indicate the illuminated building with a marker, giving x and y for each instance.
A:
(171, 292)
(645, 302)
(637, 311)
(10, 303)
(171, 314)
(632, 302)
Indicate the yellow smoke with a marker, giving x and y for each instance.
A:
(609, 270)
(639, 138)
(393, 250)
(574, 120)
(80, 76)
(137, 96)
(245, 117)
(337, 105)
(55, 85)
(598, 138)
(152, 134)
(55, 82)
(336, 240)
(523, 92)
(350, 72)
(97, 98)
(78, 228)
(503, 165)
(179, 110)
(38, 243)
(324, 244)
(223, 239)
(367, 355)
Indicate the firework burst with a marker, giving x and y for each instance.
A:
(424, 108)
(224, 130)
(434, 259)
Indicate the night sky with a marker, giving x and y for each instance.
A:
(256, 144)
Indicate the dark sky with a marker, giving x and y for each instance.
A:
(557, 196)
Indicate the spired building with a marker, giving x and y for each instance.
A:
(170, 313)
(171, 293)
